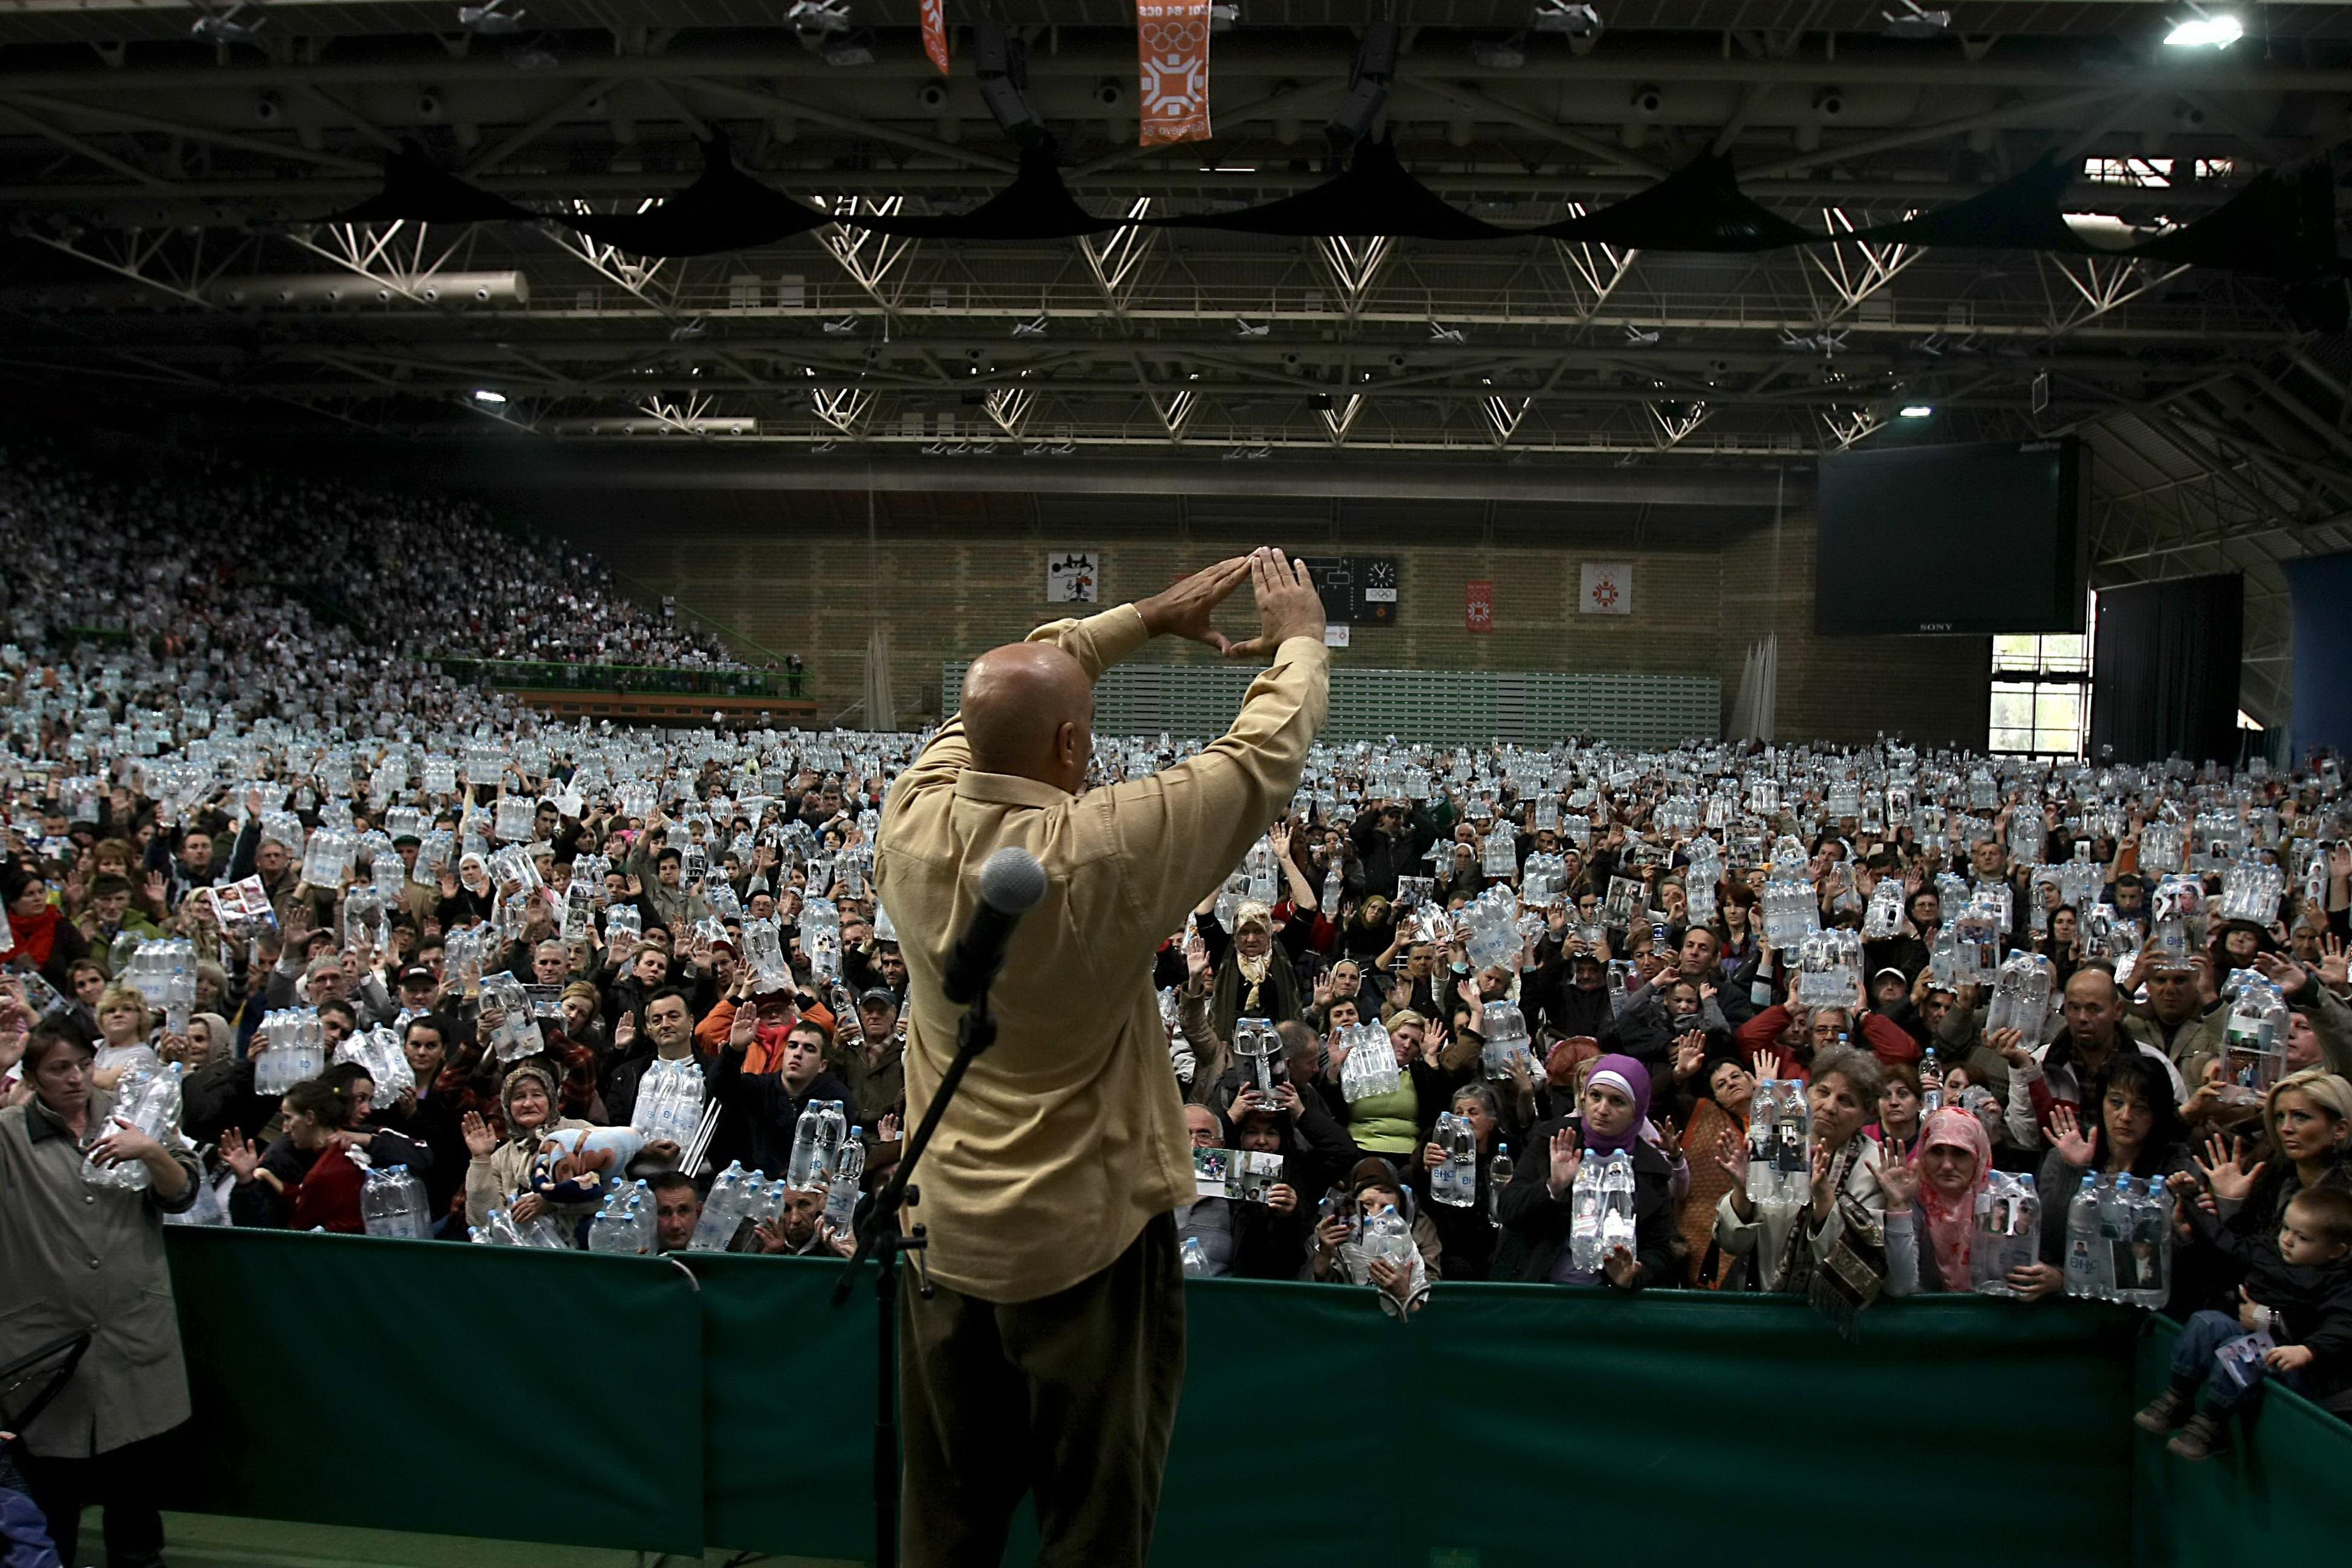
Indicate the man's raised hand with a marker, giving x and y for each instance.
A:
(1183, 609)
(1287, 605)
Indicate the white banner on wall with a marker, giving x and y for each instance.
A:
(1072, 577)
(1607, 588)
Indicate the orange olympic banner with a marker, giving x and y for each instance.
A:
(1171, 51)
(935, 33)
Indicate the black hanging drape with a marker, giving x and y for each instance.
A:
(2165, 658)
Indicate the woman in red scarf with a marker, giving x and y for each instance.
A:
(44, 937)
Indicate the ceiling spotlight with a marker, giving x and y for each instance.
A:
(1829, 104)
(1035, 329)
(845, 325)
(1911, 22)
(496, 18)
(1647, 102)
(483, 394)
(2200, 31)
(817, 17)
(1915, 411)
(239, 22)
(1575, 21)
(1252, 329)
(686, 332)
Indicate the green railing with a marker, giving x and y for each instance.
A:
(627, 678)
(622, 1402)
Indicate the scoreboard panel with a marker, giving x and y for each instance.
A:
(1356, 590)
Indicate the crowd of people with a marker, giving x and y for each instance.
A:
(686, 906)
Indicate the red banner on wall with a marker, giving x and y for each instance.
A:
(1478, 607)
(1172, 52)
(935, 33)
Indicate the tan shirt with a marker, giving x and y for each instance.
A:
(1069, 1135)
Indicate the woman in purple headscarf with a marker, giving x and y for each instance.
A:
(1538, 1207)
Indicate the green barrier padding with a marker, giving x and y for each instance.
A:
(606, 1402)
(2276, 1497)
(1316, 1430)
(492, 1391)
(788, 1407)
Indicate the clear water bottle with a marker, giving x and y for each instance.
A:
(848, 1170)
(610, 1231)
(1332, 894)
(1793, 1146)
(2082, 1239)
(379, 1213)
(832, 1130)
(1498, 1176)
(1584, 1206)
(1195, 1256)
(1931, 1083)
(148, 1100)
(722, 1210)
(1386, 1235)
(2115, 1274)
(1763, 1144)
(1453, 1182)
(2151, 1244)
(2025, 1233)
(1616, 1203)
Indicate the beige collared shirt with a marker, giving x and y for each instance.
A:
(1069, 1135)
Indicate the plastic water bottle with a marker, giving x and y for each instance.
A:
(609, 1231)
(2151, 1243)
(1331, 895)
(2114, 1239)
(832, 1131)
(848, 1170)
(2082, 1239)
(148, 1100)
(1616, 1203)
(2025, 1234)
(722, 1211)
(1793, 1146)
(1498, 1176)
(1196, 1257)
(1455, 1183)
(377, 1213)
(1763, 1144)
(1931, 1083)
(807, 1162)
(1585, 1204)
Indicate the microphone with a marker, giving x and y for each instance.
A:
(1011, 883)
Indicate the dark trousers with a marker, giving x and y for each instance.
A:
(1071, 1396)
(122, 1481)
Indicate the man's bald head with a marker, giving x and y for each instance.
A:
(1028, 710)
(2094, 1007)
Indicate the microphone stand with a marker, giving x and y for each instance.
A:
(879, 1238)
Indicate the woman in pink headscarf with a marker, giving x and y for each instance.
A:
(1927, 1243)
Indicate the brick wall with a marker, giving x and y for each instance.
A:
(956, 573)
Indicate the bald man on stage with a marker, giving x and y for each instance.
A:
(1050, 1358)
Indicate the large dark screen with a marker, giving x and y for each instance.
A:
(1965, 539)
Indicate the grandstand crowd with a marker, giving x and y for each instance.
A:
(186, 712)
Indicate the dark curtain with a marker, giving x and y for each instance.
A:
(2165, 658)
(2320, 587)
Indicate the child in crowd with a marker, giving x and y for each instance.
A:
(2297, 1307)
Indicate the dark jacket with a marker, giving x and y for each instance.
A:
(433, 1125)
(2314, 1303)
(1535, 1223)
(771, 1111)
(1387, 858)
